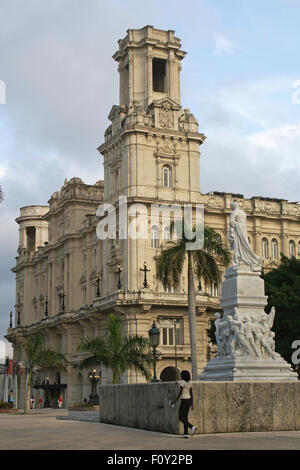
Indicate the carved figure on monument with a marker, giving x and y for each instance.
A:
(248, 334)
(220, 335)
(238, 240)
(263, 336)
(236, 344)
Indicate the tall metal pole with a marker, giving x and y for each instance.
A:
(192, 317)
(175, 342)
(98, 293)
(154, 365)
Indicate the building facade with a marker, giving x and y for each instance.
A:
(68, 280)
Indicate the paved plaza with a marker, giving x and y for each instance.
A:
(64, 430)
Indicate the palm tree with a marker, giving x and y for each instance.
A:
(38, 357)
(117, 353)
(204, 263)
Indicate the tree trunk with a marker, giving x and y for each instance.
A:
(192, 316)
(27, 394)
(116, 377)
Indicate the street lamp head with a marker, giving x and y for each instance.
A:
(154, 335)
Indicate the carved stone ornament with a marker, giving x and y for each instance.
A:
(166, 116)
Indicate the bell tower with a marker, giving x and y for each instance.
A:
(149, 66)
(151, 149)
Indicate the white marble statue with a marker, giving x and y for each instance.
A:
(238, 240)
(249, 335)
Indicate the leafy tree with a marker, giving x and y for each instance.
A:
(204, 263)
(282, 286)
(38, 357)
(116, 352)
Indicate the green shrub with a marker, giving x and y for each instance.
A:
(6, 404)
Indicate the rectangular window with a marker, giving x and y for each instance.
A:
(168, 332)
(159, 75)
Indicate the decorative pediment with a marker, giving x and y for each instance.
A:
(271, 264)
(165, 103)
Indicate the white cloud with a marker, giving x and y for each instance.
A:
(224, 45)
(265, 163)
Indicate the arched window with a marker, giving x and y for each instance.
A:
(274, 248)
(214, 290)
(167, 233)
(166, 176)
(265, 248)
(299, 249)
(292, 248)
(154, 236)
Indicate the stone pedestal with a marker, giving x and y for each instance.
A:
(246, 346)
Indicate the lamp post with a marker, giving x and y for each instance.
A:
(47, 401)
(154, 341)
(63, 307)
(118, 271)
(10, 319)
(98, 293)
(46, 306)
(94, 379)
(145, 270)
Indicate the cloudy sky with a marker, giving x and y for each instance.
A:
(241, 79)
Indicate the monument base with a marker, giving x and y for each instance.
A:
(245, 340)
(248, 369)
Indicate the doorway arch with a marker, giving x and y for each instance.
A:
(170, 374)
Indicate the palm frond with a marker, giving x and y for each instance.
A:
(213, 244)
(137, 351)
(49, 358)
(97, 348)
(170, 264)
(206, 267)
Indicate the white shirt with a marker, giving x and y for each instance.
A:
(186, 392)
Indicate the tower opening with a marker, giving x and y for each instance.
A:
(159, 75)
(30, 234)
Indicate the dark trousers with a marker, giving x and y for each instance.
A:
(184, 409)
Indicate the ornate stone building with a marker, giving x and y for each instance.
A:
(151, 156)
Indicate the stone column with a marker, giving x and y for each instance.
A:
(70, 282)
(89, 250)
(148, 80)
(53, 290)
(66, 271)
